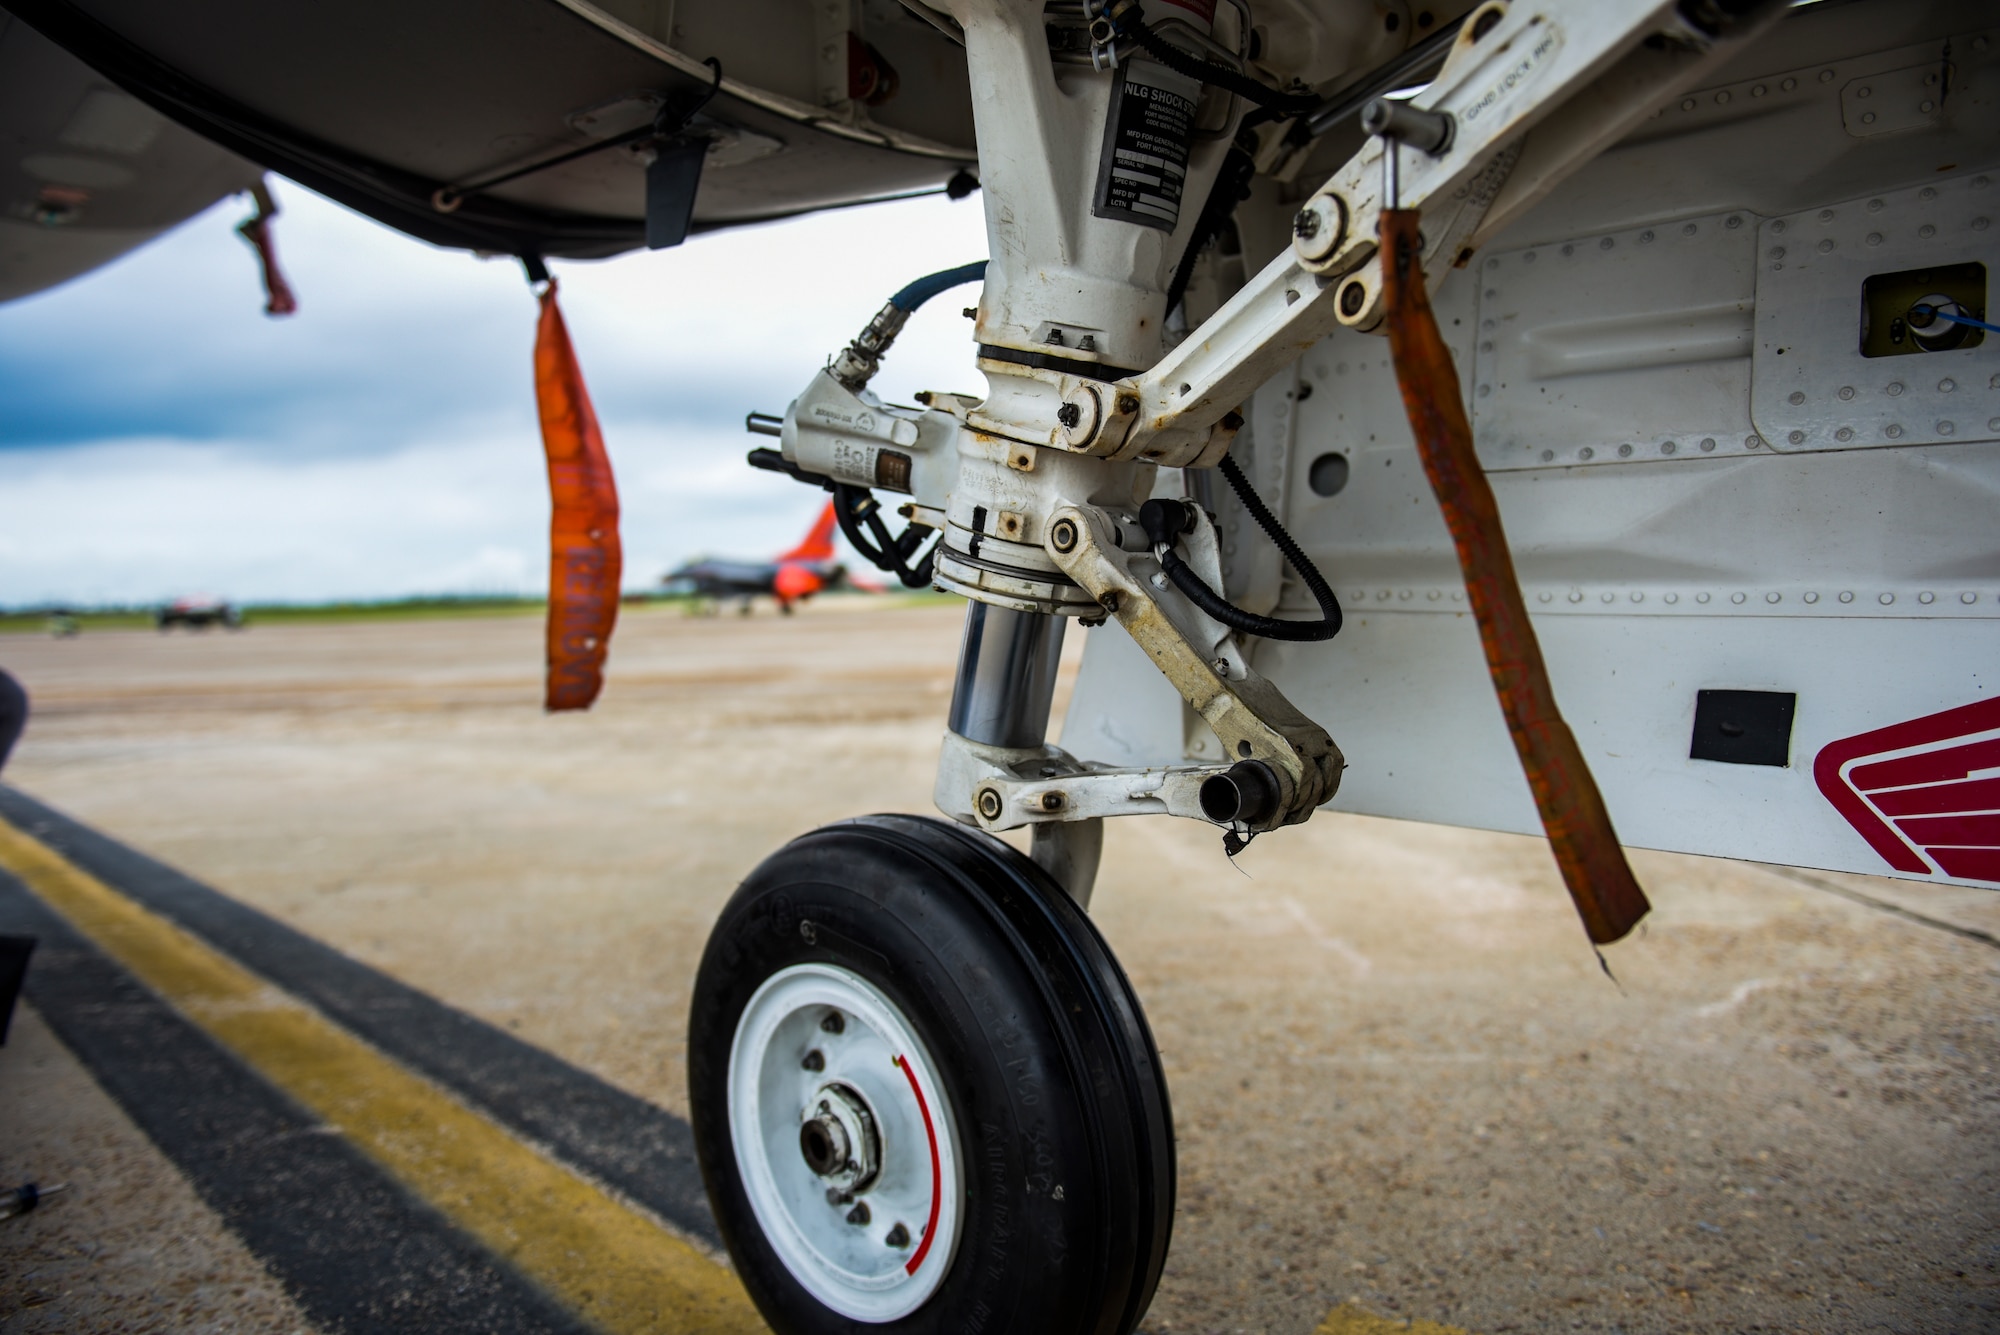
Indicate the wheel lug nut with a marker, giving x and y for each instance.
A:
(815, 1061)
(859, 1214)
(833, 1023)
(898, 1237)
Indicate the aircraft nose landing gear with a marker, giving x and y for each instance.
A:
(923, 1092)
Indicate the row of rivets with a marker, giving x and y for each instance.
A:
(1925, 231)
(1625, 450)
(1706, 445)
(1926, 597)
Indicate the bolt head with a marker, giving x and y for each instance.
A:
(1128, 403)
(1317, 229)
(1052, 801)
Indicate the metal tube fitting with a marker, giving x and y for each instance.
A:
(1392, 118)
(858, 361)
(1247, 791)
(1006, 676)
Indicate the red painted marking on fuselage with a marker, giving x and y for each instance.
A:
(1911, 806)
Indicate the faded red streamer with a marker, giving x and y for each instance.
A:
(584, 556)
(256, 229)
(1593, 865)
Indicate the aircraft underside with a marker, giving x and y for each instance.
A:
(1349, 366)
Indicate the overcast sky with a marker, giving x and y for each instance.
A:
(159, 435)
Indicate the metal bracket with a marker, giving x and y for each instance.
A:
(1250, 715)
(1534, 91)
(1004, 788)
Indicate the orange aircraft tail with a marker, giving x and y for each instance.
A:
(818, 545)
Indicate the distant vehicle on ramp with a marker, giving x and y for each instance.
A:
(797, 575)
(198, 612)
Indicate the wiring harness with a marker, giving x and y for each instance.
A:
(1165, 521)
(1124, 18)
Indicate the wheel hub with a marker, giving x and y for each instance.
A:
(845, 1142)
(838, 1141)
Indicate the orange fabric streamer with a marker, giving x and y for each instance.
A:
(584, 556)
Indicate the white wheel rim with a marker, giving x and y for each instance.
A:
(857, 1269)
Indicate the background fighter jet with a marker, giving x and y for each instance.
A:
(791, 578)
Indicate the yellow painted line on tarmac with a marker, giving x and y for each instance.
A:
(618, 1268)
(1347, 1319)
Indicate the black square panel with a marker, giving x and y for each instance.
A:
(1743, 727)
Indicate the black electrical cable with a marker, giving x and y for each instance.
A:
(1311, 118)
(1232, 187)
(1129, 24)
(852, 507)
(1164, 522)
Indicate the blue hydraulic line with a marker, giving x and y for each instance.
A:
(921, 291)
(857, 365)
(1932, 312)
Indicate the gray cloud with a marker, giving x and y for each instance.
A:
(159, 433)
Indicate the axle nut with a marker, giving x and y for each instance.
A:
(987, 800)
(823, 1145)
(1062, 533)
(1069, 415)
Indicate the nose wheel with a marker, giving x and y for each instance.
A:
(923, 1093)
(842, 1142)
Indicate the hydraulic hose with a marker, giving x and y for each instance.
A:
(1165, 521)
(921, 291)
(858, 361)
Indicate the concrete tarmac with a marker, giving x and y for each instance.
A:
(1401, 1082)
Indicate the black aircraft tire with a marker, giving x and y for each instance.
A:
(1032, 1047)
